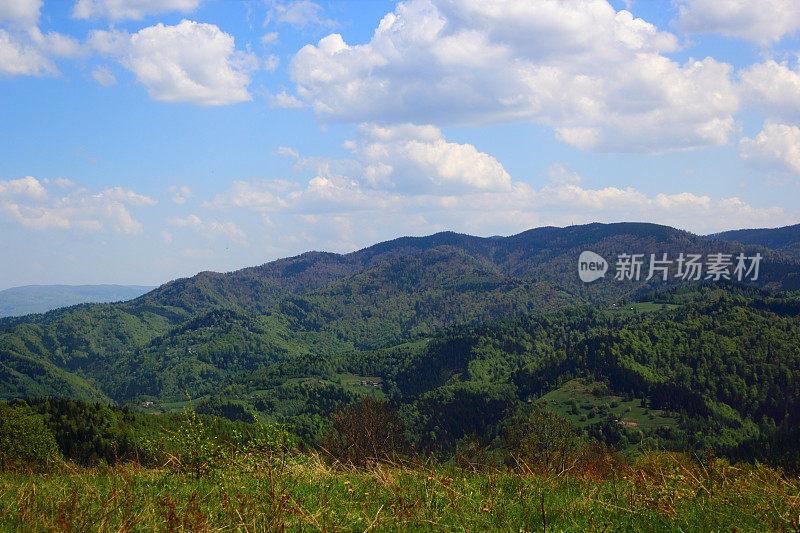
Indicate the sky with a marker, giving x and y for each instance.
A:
(145, 140)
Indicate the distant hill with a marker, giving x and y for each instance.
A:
(785, 239)
(29, 299)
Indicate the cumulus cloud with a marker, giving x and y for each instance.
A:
(407, 157)
(368, 204)
(381, 213)
(189, 62)
(28, 202)
(24, 49)
(776, 147)
(20, 12)
(762, 22)
(773, 87)
(20, 58)
(27, 187)
(130, 9)
(597, 76)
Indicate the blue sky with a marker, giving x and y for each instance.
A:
(146, 140)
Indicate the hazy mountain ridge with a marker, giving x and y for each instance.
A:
(784, 239)
(30, 299)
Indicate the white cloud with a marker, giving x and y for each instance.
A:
(287, 151)
(27, 202)
(180, 193)
(597, 76)
(126, 196)
(762, 22)
(776, 147)
(271, 63)
(190, 62)
(56, 44)
(253, 195)
(418, 158)
(18, 58)
(773, 87)
(376, 214)
(130, 9)
(20, 12)
(104, 76)
(347, 195)
(558, 173)
(191, 221)
(284, 101)
(27, 187)
(299, 13)
(61, 183)
(227, 230)
(27, 51)
(270, 38)
(214, 228)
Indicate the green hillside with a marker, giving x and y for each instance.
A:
(418, 318)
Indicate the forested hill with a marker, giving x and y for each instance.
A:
(785, 239)
(544, 254)
(709, 368)
(301, 316)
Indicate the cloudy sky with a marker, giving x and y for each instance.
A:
(142, 140)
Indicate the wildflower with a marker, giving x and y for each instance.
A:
(486, 509)
(346, 482)
(349, 490)
(366, 494)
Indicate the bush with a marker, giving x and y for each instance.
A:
(25, 440)
(542, 442)
(474, 453)
(368, 431)
(194, 448)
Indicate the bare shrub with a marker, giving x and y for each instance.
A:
(365, 432)
(542, 442)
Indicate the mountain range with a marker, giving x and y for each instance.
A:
(294, 338)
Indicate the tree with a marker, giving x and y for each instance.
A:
(25, 441)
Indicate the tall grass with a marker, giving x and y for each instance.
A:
(660, 491)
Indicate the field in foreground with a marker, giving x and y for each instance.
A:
(659, 492)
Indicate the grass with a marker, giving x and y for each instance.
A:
(664, 492)
(588, 396)
(644, 307)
